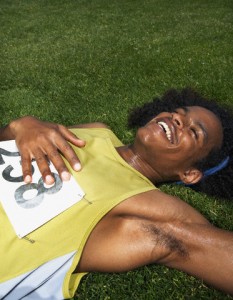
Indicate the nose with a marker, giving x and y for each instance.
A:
(178, 120)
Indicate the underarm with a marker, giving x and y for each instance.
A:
(127, 244)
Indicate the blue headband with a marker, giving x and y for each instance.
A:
(217, 168)
(211, 171)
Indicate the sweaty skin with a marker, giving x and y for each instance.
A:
(194, 131)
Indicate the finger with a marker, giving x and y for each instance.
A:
(71, 137)
(59, 164)
(43, 165)
(68, 152)
(26, 168)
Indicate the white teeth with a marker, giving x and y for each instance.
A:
(167, 130)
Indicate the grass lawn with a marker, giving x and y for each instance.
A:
(80, 61)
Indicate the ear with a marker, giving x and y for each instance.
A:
(191, 176)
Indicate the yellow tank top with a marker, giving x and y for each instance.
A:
(106, 180)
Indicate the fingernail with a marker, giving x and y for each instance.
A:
(27, 179)
(46, 185)
(49, 179)
(77, 166)
(65, 176)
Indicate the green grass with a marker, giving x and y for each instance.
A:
(81, 61)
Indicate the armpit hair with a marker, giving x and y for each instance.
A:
(164, 239)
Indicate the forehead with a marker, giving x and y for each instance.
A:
(203, 113)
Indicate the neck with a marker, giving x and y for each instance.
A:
(134, 160)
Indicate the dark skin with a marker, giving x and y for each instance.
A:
(154, 227)
(42, 141)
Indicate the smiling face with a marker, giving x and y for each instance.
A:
(173, 142)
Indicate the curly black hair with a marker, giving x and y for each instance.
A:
(218, 184)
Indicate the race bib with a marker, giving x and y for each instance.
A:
(28, 206)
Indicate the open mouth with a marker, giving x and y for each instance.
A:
(167, 130)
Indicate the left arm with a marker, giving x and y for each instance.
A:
(154, 227)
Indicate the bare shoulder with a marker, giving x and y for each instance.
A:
(90, 125)
(158, 206)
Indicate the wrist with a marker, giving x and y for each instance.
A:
(6, 133)
(9, 132)
(11, 129)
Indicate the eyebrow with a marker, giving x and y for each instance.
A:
(199, 124)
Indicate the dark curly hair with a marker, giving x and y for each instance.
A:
(218, 184)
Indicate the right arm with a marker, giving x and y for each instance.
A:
(44, 141)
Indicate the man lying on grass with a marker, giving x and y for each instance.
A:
(124, 221)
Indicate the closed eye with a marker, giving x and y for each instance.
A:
(195, 133)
